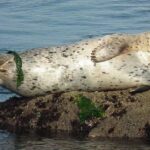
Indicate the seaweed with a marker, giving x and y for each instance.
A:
(88, 110)
(19, 71)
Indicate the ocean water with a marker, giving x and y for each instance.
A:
(36, 142)
(26, 24)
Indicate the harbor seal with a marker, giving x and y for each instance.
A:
(117, 61)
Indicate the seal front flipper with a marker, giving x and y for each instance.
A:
(140, 89)
(109, 47)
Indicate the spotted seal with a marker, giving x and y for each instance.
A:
(117, 61)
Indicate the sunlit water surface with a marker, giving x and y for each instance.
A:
(26, 24)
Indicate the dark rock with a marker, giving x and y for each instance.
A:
(126, 115)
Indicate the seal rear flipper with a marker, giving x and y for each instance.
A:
(140, 89)
(109, 47)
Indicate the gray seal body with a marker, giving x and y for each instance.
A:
(112, 62)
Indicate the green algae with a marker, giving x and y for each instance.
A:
(88, 110)
(19, 71)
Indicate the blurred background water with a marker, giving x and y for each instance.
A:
(26, 24)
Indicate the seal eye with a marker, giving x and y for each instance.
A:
(3, 70)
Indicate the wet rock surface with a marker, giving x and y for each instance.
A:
(126, 115)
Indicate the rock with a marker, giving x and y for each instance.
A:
(126, 115)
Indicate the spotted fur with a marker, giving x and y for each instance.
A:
(117, 61)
